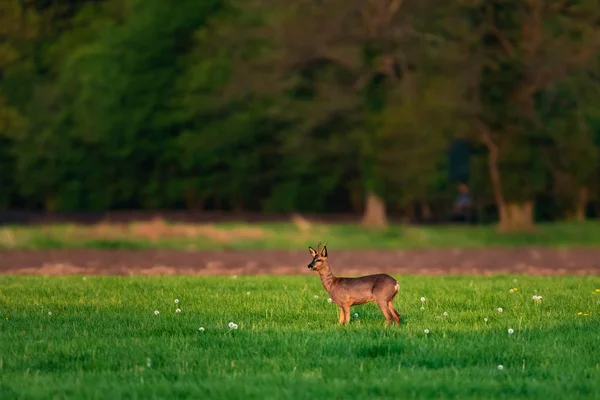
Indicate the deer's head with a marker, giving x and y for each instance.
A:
(319, 257)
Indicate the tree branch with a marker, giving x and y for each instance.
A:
(504, 42)
(531, 29)
(393, 8)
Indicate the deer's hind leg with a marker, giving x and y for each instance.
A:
(390, 304)
(385, 310)
(394, 312)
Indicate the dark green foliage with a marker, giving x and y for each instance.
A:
(280, 106)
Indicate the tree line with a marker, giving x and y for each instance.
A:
(308, 106)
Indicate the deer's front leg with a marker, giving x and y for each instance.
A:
(346, 311)
(341, 317)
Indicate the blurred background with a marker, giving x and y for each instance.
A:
(370, 111)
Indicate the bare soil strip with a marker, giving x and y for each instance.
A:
(532, 261)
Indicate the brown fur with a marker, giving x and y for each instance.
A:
(346, 292)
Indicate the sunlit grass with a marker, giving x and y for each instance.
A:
(98, 337)
(288, 236)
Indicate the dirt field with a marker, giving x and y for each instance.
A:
(419, 262)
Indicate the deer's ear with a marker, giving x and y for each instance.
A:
(313, 252)
(324, 251)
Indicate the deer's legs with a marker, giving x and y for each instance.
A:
(385, 310)
(341, 317)
(346, 310)
(395, 314)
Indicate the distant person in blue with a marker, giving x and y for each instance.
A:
(463, 204)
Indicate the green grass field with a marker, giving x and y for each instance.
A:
(98, 338)
(288, 236)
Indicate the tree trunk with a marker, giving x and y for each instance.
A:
(50, 202)
(238, 207)
(516, 217)
(581, 204)
(409, 214)
(192, 200)
(496, 179)
(375, 214)
(426, 213)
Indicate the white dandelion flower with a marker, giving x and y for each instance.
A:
(355, 315)
(511, 331)
(500, 309)
(248, 293)
(178, 310)
(232, 325)
(423, 299)
(329, 300)
(176, 301)
(426, 331)
(201, 329)
(511, 290)
(156, 312)
(485, 319)
(445, 314)
(49, 312)
(316, 297)
(422, 308)
(500, 367)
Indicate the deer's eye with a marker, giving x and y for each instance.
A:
(318, 260)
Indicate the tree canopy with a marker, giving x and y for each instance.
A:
(309, 106)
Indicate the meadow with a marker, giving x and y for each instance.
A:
(287, 235)
(97, 337)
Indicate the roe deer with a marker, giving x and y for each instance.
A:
(346, 292)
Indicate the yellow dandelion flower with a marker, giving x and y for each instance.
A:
(597, 290)
(585, 315)
(515, 289)
(579, 313)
